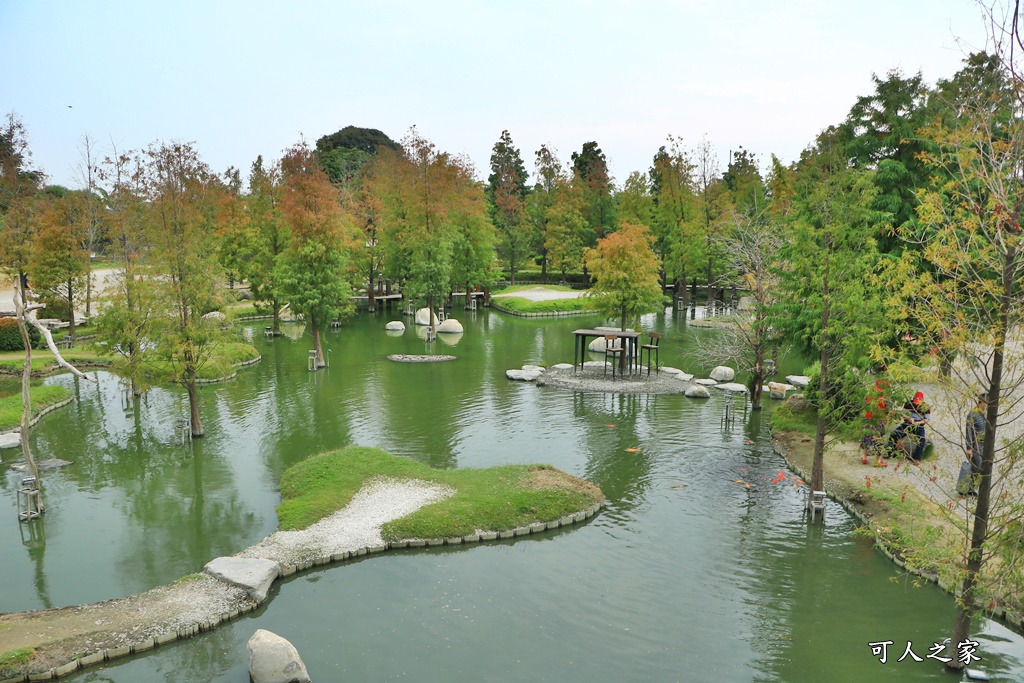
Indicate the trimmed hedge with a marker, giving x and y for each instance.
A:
(10, 336)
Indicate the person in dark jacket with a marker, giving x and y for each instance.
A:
(974, 438)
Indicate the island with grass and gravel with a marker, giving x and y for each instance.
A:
(335, 507)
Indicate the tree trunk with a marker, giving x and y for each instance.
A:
(757, 382)
(967, 599)
(88, 289)
(317, 345)
(544, 266)
(26, 376)
(193, 402)
(71, 313)
(277, 316)
(370, 293)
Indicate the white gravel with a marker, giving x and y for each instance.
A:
(542, 294)
(355, 526)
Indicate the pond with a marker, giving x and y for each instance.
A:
(687, 575)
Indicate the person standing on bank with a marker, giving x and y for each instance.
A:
(974, 440)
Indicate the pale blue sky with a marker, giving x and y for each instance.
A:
(248, 78)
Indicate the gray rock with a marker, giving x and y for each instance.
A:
(522, 375)
(10, 440)
(735, 387)
(722, 374)
(684, 376)
(562, 366)
(706, 382)
(533, 368)
(245, 295)
(215, 316)
(255, 576)
(395, 326)
(272, 659)
(698, 391)
(451, 325)
(798, 380)
(777, 391)
(670, 371)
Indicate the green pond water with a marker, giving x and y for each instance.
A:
(685, 576)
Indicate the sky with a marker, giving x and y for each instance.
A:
(248, 78)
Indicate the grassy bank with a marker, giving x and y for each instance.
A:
(494, 499)
(41, 397)
(518, 305)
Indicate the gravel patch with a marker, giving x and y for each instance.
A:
(355, 526)
(590, 379)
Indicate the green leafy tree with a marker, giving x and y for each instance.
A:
(743, 181)
(506, 198)
(566, 227)
(590, 173)
(19, 184)
(182, 195)
(59, 265)
(343, 154)
(625, 272)
(267, 237)
(712, 203)
(881, 134)
(677, 222)
(971, 307)
(828, 301)
(549, 172)
(125, 324)
(312, 271)
(635, 203)
(426, 194)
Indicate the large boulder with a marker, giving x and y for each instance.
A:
(722, 374)
(698, 391)
(450, 326)
(253, 575)
(777, 391)
(272, 659)
(215, 316)
(245, 295)
(395, 326)
(423, 317)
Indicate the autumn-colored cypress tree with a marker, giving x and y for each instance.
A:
(312, 271)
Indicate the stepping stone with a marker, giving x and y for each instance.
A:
(698, 391)
(734, 387)
(706, 382)
(798, 380)
(253, 575)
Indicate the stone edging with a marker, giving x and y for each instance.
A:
(288, 570)
(891, 554)
(548, 314)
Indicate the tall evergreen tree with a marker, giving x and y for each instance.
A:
(506, 198)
